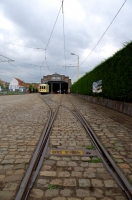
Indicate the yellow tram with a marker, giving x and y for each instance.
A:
(43, 88)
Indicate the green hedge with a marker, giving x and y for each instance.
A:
(116, 76)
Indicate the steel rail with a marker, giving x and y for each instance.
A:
(106, 158)
(22, 192)
(44, 149)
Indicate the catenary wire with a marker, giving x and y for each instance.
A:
(104, 33)
(50, 38)
(5, 57)
(64, 33)
(37, 48)
(22, 70)
(53, 28)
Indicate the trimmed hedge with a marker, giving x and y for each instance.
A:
(116, 76)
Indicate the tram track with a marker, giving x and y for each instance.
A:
(106, 158)
(37, 159)
(40, 152)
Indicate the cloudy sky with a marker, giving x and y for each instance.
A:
(31, 23)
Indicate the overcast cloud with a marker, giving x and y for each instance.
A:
(30, 22)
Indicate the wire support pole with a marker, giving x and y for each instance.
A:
(64, 34)
(78, 75)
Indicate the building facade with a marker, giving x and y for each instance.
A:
(57, 83)
(16, 84)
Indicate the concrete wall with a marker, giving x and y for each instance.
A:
(122, 107)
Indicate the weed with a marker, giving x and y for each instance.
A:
(90, 147)
(51, 187)
(96, 160)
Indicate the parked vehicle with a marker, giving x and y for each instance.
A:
(43, 88)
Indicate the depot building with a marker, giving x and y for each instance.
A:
(57, 83)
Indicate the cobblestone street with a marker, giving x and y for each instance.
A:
(23, 118)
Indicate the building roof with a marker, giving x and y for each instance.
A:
(20, 82)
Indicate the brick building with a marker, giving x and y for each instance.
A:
(57, 83)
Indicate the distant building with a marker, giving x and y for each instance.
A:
(57, 83)
(16, 84)
(4, 84)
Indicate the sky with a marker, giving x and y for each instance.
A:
(38, 37)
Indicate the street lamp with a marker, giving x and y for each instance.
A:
(78, 64)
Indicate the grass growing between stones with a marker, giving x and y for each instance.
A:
(90, 147)
(51, 187)
(96, 160)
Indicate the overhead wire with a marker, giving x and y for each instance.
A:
(22, 70)
(50, 38)
(22, 45)
(53, 28)
(64, 33)
(104, 32)
(6, 57)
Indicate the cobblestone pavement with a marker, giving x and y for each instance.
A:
(74, 177)
(114, 130)
(22, 119)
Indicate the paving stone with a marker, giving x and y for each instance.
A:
(75, 158)
(97, 193)
(84, 183)
(37, 193)
(66, 192)
(2, 177)
(8, 161)
(24, 160)
(19, 166)
(76, 174)
(124, 166)
(78, 169)
(55, 158)
(97, 183)
(84, 164)
(72, 198)
(89, 198)
(61, 163)
(120, 198)
(66, 158)
(112, 192)
(63, 174)
(12, 178)
(46, 167)
(10, 187)
(56, 182)
(42, 182)
(51, 193)
(19, 171)
(59, 198)
(47, 173)
(72, 164)
(110, 183)
(4, 195)
(82, 193)
(85, 158)
(91, 170)
(89, 175)
(49, 162)
(69, 182)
